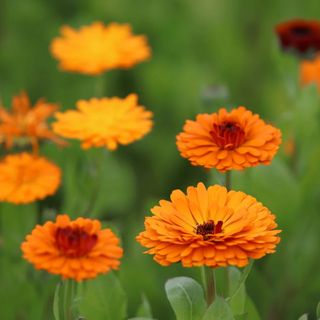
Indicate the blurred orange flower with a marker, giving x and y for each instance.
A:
(228, 140)
(25, 178)
(211, 227)
(27, 124)
(105, 122)
(77, 249)
(310, 72)
(97, 48)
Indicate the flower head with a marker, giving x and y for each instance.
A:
(299, 36)
(27, 124)
(228, 140)
(211, 227)
(310, 72)
(105, 122)
(97, 48)
(25, 178)
(77, 249)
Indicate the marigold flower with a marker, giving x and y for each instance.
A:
(228, 140)
(299, 36)
(27, 124)
(310, 72)
(105, 122)
(97, 48)
(211, 227)
(77, 249)
(25, 178)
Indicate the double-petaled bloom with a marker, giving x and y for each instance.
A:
(97, 48)
(301, 37)
(78, 249)
(105, 122)
(211, 227)
(27, 124)
(228, 140)
(25, 178)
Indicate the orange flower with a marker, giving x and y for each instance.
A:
(228, 140)
(105, 122)
(97, 48)
(77, 249)
(25, 178)
(26, 124)
(310, 72)
(301, 37)
(211, 227)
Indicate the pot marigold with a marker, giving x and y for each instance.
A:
(27, 123)
(25, 178)
(211, 227)
(299, 36)
(310, 72)
(77, 249)
(97, 48)
(228, 140)
(105, 122)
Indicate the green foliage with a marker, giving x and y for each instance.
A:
(219, 310)
(102, 298)
(186, 298)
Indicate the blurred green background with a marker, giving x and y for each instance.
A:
(206, 54)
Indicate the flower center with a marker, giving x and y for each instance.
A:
(301, 31)
(228, 135)
(75, 242)
(209, 228)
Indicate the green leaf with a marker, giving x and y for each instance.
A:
(141, 318)
(219, 310)
(251, 310)
(102, 298)
(318, 311)
(186, 298)
(56, 302)
(238, 290)
(144, 309)
(304, 317)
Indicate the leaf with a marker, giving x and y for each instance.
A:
(237, 287)
(186, 298)
(140, 318)
(219, 310)
(102, 298)
(144, 309)
(304, 317)
(56, 302)
(318, 311)
(251, 310)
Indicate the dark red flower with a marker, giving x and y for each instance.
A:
(299, 36)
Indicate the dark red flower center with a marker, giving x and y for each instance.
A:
(75, 242)
(209, 228)
(301, 31)
(227, 135)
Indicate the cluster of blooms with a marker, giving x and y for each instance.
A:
(206, 226)
(302, 37)
(77, 249)
(26, 177)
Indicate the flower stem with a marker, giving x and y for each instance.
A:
(100, 86)
(69, 294)
(228, 180)
(209, 284)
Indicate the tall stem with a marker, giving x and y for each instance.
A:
(228, 180)
(100, 86)
(209, 283)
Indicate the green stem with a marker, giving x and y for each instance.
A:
(69, 294)
(100, 86)
(209, 284)
(228, 180)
